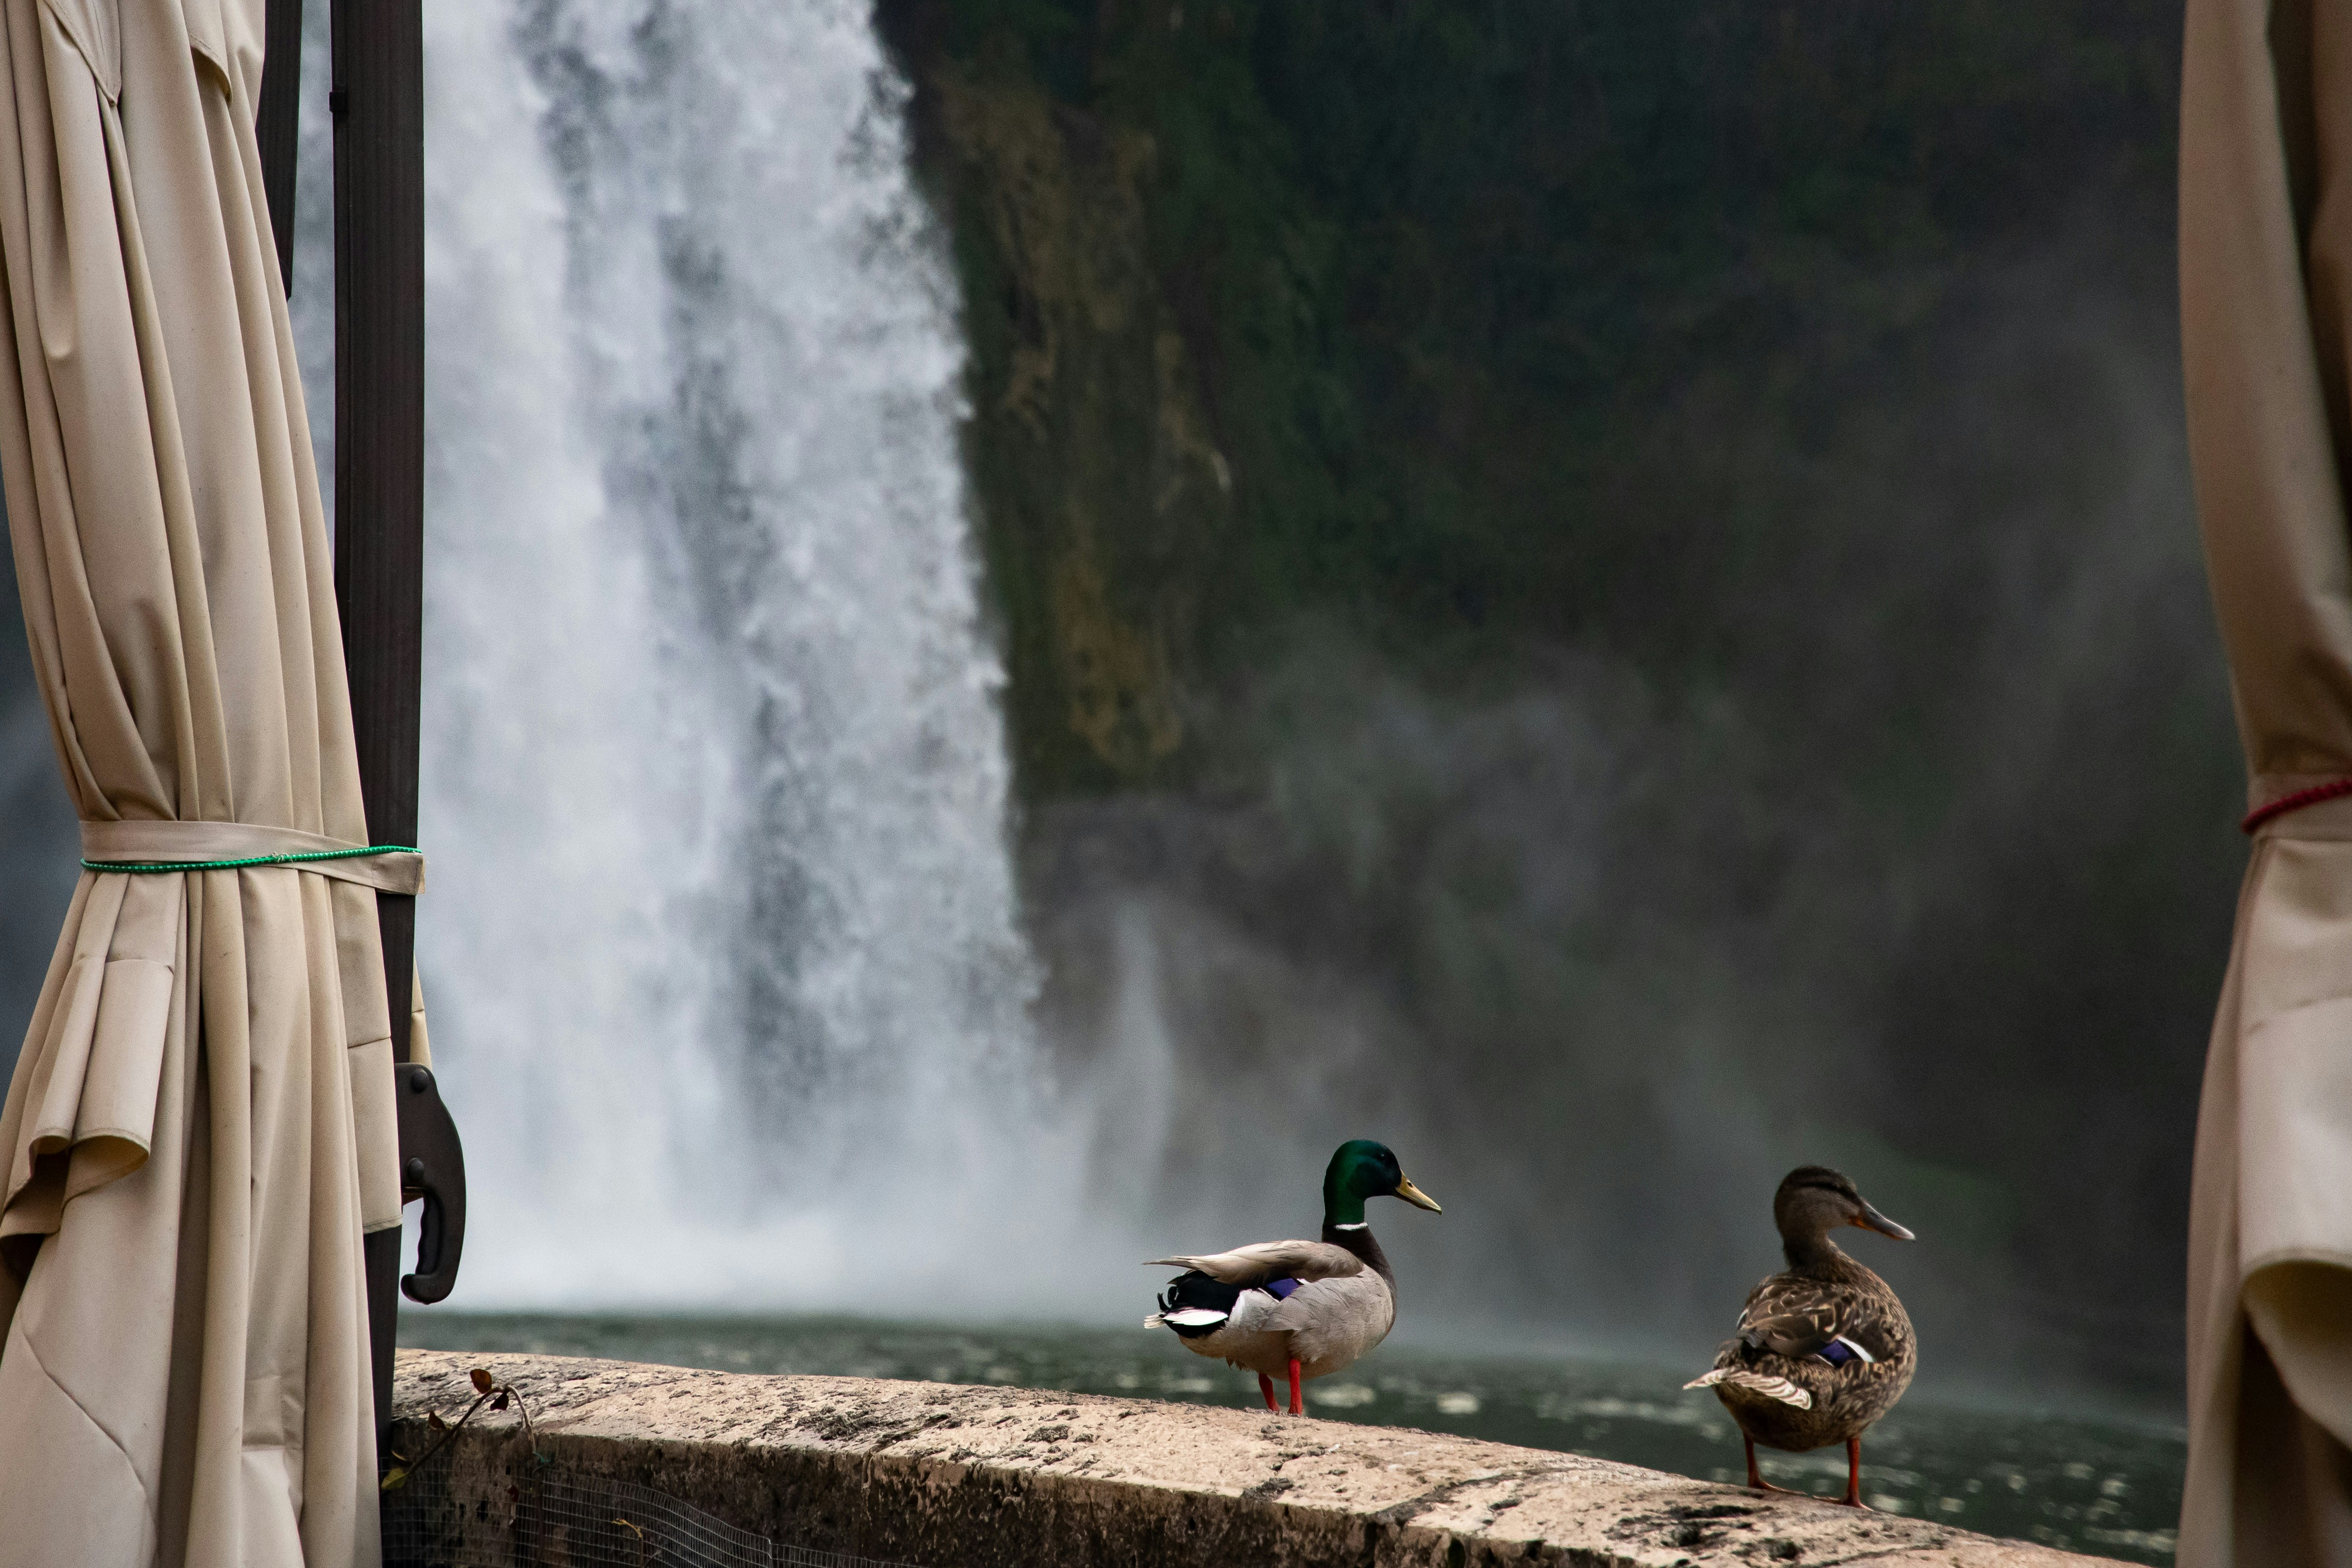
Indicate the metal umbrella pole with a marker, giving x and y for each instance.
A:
(378, 103)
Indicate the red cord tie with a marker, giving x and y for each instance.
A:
(2332, 789)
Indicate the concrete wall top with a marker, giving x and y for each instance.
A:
(992, 1474)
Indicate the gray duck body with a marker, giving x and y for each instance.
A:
(1344, 1305)
(1297, 1310)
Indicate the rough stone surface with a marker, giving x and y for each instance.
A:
(950, 1477)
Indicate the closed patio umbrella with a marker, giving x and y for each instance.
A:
(200, 1126)
(2266, 318)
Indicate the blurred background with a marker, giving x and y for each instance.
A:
(1040, 609)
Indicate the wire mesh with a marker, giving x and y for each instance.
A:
(579, 1521)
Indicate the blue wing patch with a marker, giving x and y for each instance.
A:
(1841, 1350)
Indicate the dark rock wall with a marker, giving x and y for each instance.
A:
(1609, 591)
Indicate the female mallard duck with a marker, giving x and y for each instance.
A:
(1824, 1349)
(1307, 1308)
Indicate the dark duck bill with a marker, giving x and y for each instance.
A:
(1824, 1348)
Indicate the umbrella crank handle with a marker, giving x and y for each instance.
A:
(432, 1168)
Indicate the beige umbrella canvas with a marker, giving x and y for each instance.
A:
(199, 1128)
(2266, 316)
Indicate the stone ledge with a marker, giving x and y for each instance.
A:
(953, 1477)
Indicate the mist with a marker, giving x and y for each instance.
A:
(1917, 859)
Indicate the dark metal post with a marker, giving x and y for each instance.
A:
(379, 107)
(378, 103)
(277, 124)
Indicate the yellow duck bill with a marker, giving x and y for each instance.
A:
(1415, 1196)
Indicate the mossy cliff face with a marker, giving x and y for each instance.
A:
(1089, 442)
(1609, 591)
(1375, 309)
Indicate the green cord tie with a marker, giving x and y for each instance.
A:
(149, 868)
(159, 848)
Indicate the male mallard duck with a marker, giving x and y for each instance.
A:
(1824, 1349)
(1305, 1308)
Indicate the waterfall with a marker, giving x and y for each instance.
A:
(721, 949)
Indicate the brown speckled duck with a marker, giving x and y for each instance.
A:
(1823, 1349)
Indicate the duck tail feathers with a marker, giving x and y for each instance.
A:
(1194, 1320)
(1770, 1388)
(1189, 1322)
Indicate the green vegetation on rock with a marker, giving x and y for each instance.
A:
(1374, 307)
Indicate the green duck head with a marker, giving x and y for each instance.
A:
(1362, 1169)
(1814, 1200)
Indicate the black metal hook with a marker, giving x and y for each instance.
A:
(431, 1167)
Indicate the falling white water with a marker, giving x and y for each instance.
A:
(721, 948)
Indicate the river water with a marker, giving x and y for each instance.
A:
(2110, 1486)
